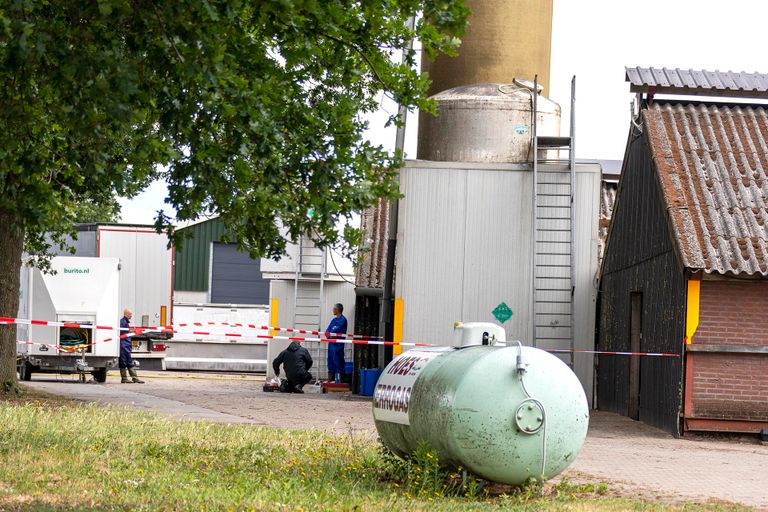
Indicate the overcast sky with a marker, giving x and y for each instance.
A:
(594, 40)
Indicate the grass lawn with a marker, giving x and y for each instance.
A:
(60, 455)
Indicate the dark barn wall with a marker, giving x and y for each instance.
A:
(641, 258)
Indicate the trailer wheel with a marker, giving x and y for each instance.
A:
(100, 375)
(25, 371)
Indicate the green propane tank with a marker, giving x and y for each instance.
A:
(504, 413)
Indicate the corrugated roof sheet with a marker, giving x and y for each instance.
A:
(372, 263)
(713, 167)
(608, 190)
(689, 81)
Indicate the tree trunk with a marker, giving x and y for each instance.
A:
(11, 246)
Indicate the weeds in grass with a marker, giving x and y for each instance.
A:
(419, 475)
(566, 488)
(56, 456)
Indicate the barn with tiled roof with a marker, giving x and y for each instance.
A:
(685, 272)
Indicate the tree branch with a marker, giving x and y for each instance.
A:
(361, 53)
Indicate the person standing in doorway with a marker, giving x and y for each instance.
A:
(127, 364)
(337, 327)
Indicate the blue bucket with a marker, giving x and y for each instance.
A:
(349, 367)
(368, 379)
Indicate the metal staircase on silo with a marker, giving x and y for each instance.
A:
(553, 280)
(308, 298)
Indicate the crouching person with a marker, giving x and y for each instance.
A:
(296, 362)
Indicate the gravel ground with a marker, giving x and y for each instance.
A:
(634, 459)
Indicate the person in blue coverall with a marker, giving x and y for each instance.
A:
(338, 325)
(127, 364)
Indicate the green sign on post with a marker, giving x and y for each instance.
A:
(502, 313)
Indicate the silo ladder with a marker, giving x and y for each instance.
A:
(552, 253)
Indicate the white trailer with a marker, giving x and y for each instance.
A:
(82, 291)
(146, 279)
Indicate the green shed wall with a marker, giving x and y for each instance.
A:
(193, 260)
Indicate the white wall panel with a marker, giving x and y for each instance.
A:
(464, 246)
(430, 251)
(497, 252)
(146, 271)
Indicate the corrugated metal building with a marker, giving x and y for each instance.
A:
(211, 271)
(686, 265)
(466, 230)
(476, 220)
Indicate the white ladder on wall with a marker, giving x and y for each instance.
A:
(308, 303)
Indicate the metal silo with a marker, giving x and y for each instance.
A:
(465, 242)
(496, 214)
(486, 123)
(504, 39)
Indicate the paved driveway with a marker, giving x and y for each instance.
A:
(633, 458)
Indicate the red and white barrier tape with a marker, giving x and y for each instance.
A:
(24, 321)
(288, 338)
(350, 339)
(264, 337)
(260, 328)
